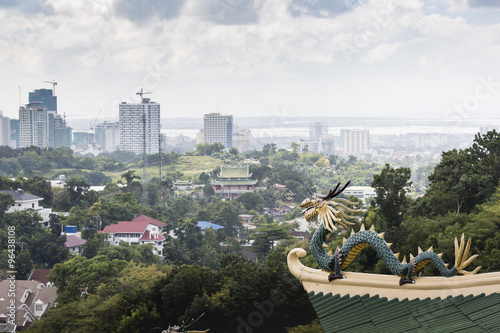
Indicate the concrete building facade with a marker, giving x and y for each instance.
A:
(107, 136)
(139, 126)
(317, 130)
(45, 97)
(218, 128)
(33, 126)
(355, 142)
(4, 130)
(242, 139)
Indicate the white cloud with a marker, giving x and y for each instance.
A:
(97, 49)
(381, 52)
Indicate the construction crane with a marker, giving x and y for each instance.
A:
(93, 124)
(54, 84)
(142, 92)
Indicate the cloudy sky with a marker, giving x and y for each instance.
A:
(410, 58)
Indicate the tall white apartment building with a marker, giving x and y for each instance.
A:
(107, 136)
(139, 125)
(33, 125)
(355, 142)
(4, 130)
(218, 128)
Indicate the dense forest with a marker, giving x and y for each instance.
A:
(129, 289)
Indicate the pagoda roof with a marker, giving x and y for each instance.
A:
(234, 171)
(376, 303)
(235, 182)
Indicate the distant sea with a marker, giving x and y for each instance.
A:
(268, 127)
(294, 126)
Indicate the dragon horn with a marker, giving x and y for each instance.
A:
(330, 194)
(343, 188)
(335, 190)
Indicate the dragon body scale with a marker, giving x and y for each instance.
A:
(331, 212)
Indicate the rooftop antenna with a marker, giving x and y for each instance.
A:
(54, 84)
(159, 152)
(20, 104)
(145, 148)
(142, 92)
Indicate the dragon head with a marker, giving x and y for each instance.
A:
(329, 210)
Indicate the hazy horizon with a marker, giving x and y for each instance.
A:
(289, 123)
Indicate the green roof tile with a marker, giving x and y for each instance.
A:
(374, 314)
(234, 172)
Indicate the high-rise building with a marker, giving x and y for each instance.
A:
(242, 139)
(317, 130)
(42, 128)
(327, 145)
(139, 125)
(355, 142)
(59, 133)
(218, 128)
(312, 146)
(39, 123)
(107, 136)
(14, 133)
(200, 136)
(4, 130)
(45, 98)
(83, 138)
(33, 126)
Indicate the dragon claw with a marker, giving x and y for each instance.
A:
(404, 280)
(335, 276)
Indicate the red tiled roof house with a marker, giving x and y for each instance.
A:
(135, 233)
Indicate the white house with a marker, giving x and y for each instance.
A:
(74, 244)
(26, 201)
(136, 233)
(362, 192)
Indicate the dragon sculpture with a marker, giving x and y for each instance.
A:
(331, 212)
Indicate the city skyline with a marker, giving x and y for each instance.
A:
(418, 58)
